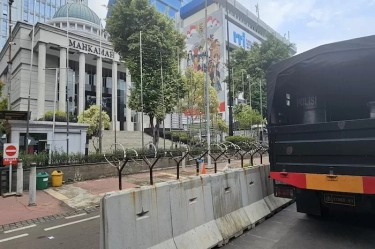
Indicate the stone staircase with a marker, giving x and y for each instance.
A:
(128, 139)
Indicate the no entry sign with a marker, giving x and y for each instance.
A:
(10, 154)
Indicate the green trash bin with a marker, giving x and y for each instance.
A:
(42, 180)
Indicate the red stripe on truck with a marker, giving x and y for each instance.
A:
(368, 185)
(295, 179)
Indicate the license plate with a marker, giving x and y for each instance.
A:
(339, 199)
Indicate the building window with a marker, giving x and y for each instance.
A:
(31, 5)
(80, 27)
(25, 17)
(3, 41)
(37, 7)
(48, 11)
(4, 27)
(172, 13)
(31, 18)
(5, 10)
(26, 4)
(63, 2)
(53, 11)
(160, 6)
(42, 9)
(72, 26)
(88, 29)
(53, 2)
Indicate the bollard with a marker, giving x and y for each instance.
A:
(19, 191)
(32, 185)
(184, 161)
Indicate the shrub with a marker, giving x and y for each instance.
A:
(239, 140)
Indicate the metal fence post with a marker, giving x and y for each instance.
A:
(184, 161)
(32, 185)
(19, 178)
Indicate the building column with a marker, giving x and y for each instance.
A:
(63, 78)
(81, 85)
(129, 124)
(41, 79)
(99, 80)
(114, 97)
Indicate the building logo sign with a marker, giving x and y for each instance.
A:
(240, 37)
(91, 49)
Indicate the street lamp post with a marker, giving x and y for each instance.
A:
(29, 92)
(230, 98)
(10, 43)
(208, 135)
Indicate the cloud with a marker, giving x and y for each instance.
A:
(276, 13)
(96, 6)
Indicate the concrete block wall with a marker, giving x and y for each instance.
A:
(200, 212)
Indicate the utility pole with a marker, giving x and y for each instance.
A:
(208, 135)
(101, 94)
(141, 67)
(10, 2)
(230, 98)
(29, 92)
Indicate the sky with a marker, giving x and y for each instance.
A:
(310, 23)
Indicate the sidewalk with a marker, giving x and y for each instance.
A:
(70, 199)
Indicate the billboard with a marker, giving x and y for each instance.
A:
(240, 38)
(196, 47)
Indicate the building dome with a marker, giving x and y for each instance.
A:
(79, 11)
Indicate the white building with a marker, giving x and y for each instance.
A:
(81, 85)
(244, 29)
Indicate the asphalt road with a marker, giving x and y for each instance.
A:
(286, 230)
(291, 230)
(80, 232)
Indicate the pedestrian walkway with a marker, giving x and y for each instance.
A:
(70, 199)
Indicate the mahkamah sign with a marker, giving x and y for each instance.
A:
(91, 49)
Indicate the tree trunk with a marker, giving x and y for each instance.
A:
(156, 134)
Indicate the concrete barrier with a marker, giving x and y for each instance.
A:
(230, 217)
(252, 195)
(137, 218)
(272, 202)
(192, 214)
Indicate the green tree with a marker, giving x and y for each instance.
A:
(254, 63)
(162, 45)
(194, 100)
(246, 116)
(91, 117)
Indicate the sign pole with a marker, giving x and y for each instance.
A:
(10, 157)
(10, 178)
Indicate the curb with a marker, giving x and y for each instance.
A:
(45, 219)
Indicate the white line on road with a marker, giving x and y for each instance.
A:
(71, 223)
(75, 216)
(14, 237)
(21, 228)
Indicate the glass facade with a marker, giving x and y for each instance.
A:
(171, 7)
(44, 9)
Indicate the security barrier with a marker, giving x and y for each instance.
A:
(137, 218)
(198, 212)
(272, 202)
(230, 217)
(192, 214)
(252, 195)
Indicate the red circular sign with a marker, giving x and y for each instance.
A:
(10, 150)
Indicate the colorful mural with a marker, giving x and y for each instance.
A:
(196, 48)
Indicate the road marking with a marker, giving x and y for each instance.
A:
(14, 237)
(56, 194)
(71, 223)
(21, 228)
(75, 216)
